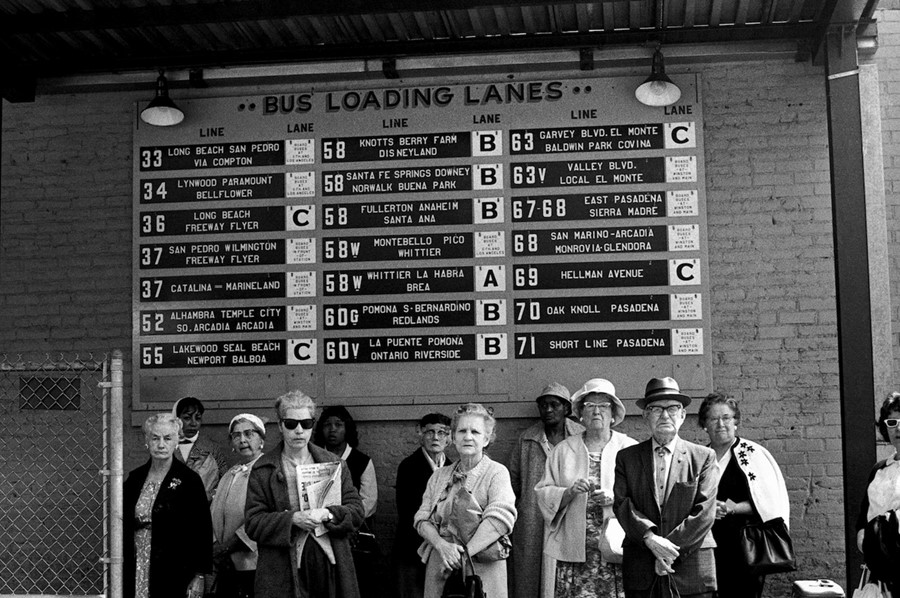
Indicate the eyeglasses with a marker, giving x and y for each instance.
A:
(291, 424)
(248, 434)
(725, 419)
(600, 406)
(891, 422)
(672, 410)
(436, 433)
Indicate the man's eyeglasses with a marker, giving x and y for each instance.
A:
(599, 406)
(672, 410)
(291, 424)
(892, 422)
(248, 434)
(436, 433)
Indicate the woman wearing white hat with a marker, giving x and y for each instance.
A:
(576, 497)
(234, 552)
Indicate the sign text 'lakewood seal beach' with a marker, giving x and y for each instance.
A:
(420, 245)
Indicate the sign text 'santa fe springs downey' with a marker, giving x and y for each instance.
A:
(487, 236)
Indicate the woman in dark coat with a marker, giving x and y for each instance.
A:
(293, 562)
(167, 526)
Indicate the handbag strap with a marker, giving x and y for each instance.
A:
(670, 585)
(467, 555)
(864, 578)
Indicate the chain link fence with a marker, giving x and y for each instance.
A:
(53, 507)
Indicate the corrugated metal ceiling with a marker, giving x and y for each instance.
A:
(46, 38)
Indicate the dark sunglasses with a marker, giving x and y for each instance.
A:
(291, 424)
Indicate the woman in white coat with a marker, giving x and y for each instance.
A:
(576, 496)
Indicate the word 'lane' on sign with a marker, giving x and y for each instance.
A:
(397, 281)
(444, 347)
(603, 206)
(212, 155)
(418, 179)
(584, 275)
(609, 308)
(397, 147)
(398, 247)
(609, 343)
(482, 312)
(254, 285)
(218, 320)
(213, 221)
(212, 188)
(440, 212)
(625, 171)
(214, 354)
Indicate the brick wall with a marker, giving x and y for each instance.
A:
(66, 253)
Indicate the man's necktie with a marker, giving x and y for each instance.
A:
(660, 474)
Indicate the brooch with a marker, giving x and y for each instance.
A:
(174, 483)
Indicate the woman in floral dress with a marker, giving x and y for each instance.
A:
(575, 496)
(167, 526)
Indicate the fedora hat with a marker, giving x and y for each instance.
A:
(659, 389)
(555, 389)
(600, 386)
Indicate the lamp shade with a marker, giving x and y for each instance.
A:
(658, 89)
(162, 111)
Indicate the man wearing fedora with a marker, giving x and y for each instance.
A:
(665, 499)
(532, 570)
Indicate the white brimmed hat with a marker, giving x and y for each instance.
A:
(600, 386)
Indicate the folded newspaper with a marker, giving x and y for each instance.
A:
(319, 486)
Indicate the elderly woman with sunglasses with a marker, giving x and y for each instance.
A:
(233, 551)
(294, 561)
(469, 503)
(881, 503)
(751, 490)
(576, 497)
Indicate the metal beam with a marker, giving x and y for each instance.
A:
(186, 59)
(854, 314)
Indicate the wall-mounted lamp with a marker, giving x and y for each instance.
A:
(658, 89)
(162, 111)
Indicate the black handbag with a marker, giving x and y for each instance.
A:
(881, 546)
(460, 585)
(767, 547)
(364, 542)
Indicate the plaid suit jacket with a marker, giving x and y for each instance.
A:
(686, 517)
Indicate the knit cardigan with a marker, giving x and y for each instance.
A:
(489, 484)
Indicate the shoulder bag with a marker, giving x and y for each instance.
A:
(767, 547)
(465, 516)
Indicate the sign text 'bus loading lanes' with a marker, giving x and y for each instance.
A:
(484, 223)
